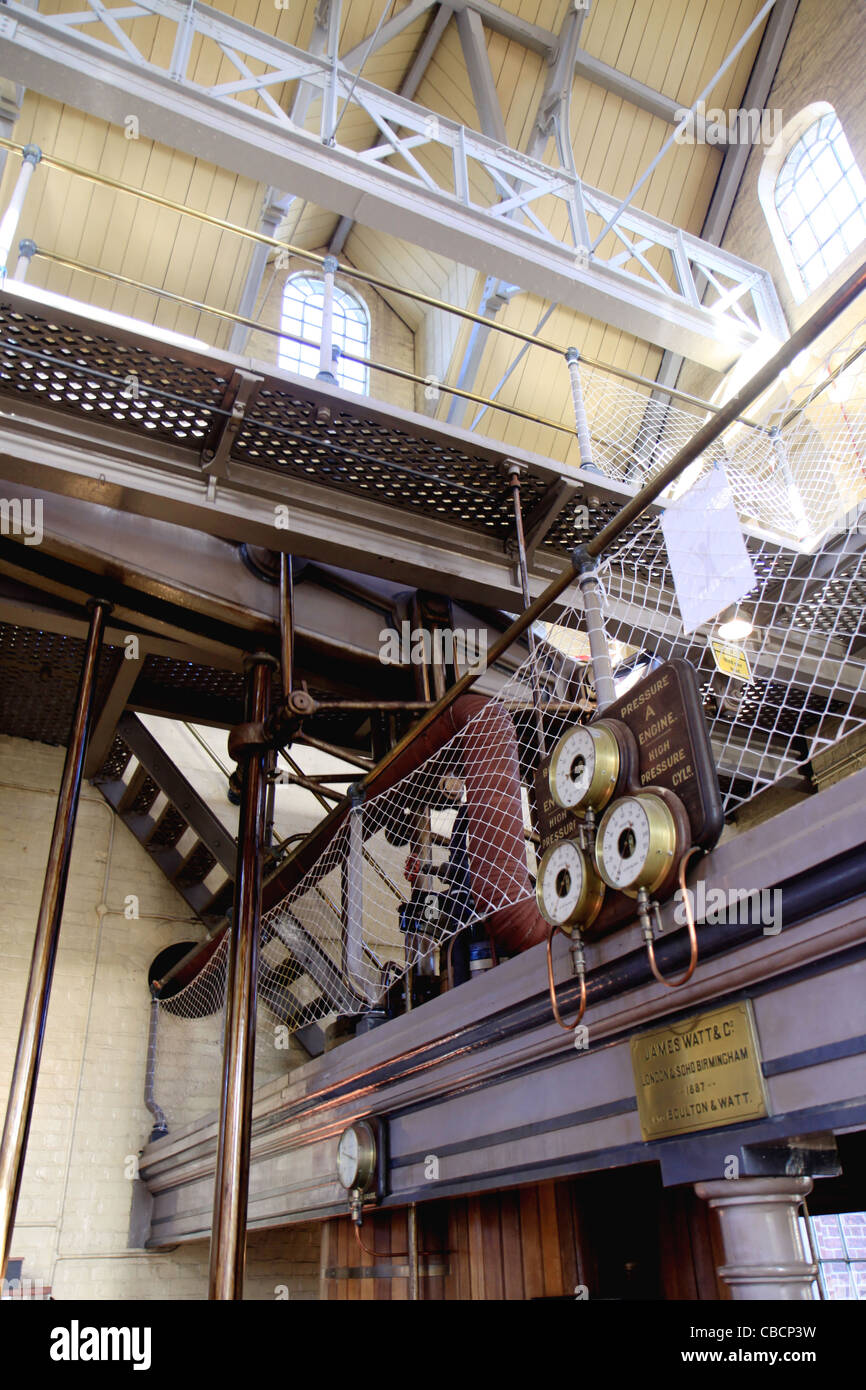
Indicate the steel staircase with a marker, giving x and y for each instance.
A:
(178, 829)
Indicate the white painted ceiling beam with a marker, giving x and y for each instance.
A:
(390, 30)
(554, 97)
(48, 53)
(481, 79)
(501, 21)
(628, 88)
(408, 88)
(755, 98)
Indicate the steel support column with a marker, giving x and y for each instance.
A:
(22, 1092)
(231, 1180)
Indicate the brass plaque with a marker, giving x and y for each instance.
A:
(699, 1074)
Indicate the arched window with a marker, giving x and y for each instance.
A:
(303, 303)
(814, 197)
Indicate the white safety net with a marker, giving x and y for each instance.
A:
(795, 469)
(452, 841)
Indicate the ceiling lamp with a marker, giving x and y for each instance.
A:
(734, 625)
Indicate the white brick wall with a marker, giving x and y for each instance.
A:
(74, 1209)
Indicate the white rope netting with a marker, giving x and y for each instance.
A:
(452, 840)
(795, 472)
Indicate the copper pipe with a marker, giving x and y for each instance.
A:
(551, 985)
(692, 930)
(25, 1074)
(394, 1254)
(414, 1259)
(287, 623)
(231, 1181)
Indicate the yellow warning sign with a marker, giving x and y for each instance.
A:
(731, 660)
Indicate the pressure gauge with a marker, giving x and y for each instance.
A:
(568, 890)
(356, 1157)
(637, 842)
(584, 767)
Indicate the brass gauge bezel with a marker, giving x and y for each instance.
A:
(605, 772)
(366, 1162)
(662, 850)
(589, 902)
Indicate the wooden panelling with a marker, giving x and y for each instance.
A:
(615, 1235)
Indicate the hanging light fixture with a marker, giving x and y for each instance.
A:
(735, 625)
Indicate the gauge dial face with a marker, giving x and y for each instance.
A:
(356, 1157)
(567, 891)
(636, 843)
(584, 768)
(347, 1158)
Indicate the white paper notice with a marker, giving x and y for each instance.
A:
(709, 560)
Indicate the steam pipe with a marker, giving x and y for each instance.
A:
(325, 372)
(26, 251)
(599, 652)
(160, 1126)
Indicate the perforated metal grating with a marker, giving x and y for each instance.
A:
(367, 457)
(39, 674)
(169, 829)
(190, 675)
(97, 376)
(117, 761)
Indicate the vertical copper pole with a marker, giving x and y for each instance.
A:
(287, 623)
(422, 677)
(414, 1258)
(22, 1092)
(514, 470)
(231, 1183)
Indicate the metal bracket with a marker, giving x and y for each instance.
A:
(241, 391)
(553, 501)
